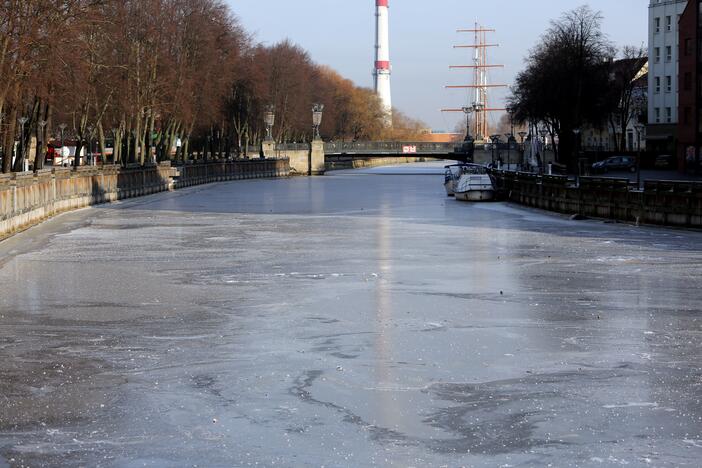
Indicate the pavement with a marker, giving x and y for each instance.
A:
(356, 319)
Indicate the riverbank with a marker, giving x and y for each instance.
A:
(659, 202)
(29, 198)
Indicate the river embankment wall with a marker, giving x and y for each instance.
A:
(661, 202)
(28, 198)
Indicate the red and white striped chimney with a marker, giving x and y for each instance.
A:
(382, 71)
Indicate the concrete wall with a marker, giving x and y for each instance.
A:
(334, 163)
(669, 203)
(299, 161)
(305, 159)
(29, 198)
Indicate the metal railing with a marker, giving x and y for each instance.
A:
(401, 148)
(292, 147)
(388, 147)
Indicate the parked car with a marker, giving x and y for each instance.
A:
(664, 161)
(615, 163)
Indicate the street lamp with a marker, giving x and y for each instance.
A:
(317, 112)
(543, 132)
(269, 119)
(478, 107)
(639, 130)
(495, 140)
(510, 113)
(468, 110)
(522, 135)
(509, 137)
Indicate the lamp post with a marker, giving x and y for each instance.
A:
(468, 146)
(639, 129)
(468, 110)
(509, 137)
(543, 132)
(478, 107)
(522, 135)
(495, 140)
(269, 119)
(317, 113)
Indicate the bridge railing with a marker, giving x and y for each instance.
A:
(406, 147)
(293, 146)
(387, 147)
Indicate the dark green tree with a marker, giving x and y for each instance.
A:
(566, 80)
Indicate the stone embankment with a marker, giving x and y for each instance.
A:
(334, 163)
(668, 203)
(29, 198)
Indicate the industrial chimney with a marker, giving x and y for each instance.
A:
(382, 71)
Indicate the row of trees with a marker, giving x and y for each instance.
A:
(147, 73)
(572, 81)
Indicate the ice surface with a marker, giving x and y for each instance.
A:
(356, 319)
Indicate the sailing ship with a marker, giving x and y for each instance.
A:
(472, 182)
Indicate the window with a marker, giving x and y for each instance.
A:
(657, 88)
(657, 112)
(668, 23)
(657, 54)
(657, 25)
(668, 114)
(668, 84)
(688, 46)
(668, 53)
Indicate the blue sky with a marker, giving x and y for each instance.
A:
(340, 33)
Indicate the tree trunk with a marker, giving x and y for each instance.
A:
(101, 142)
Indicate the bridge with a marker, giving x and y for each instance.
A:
(314, 158)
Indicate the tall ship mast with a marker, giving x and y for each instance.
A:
(479, 102)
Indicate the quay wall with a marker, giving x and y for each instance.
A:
(661, 202)
(335, 163)
(29, 198)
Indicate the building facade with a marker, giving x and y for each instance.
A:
(663, 54)
(690, 89)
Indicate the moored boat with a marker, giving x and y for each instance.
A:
(451, 176)
(474, 184)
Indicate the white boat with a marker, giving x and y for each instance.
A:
(474, 184)
(451, 176)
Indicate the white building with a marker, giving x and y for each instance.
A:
(663, 16)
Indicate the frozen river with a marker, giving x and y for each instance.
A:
(356, 319)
